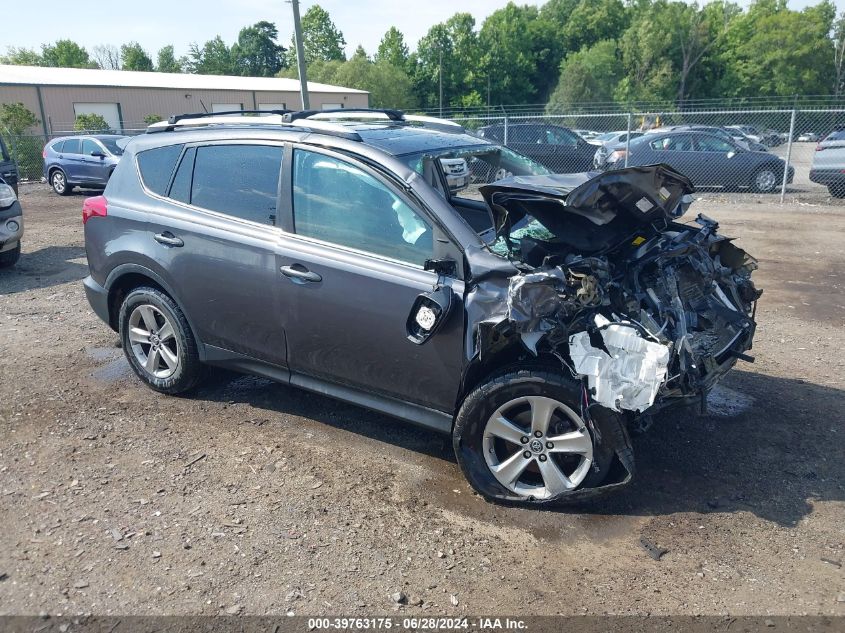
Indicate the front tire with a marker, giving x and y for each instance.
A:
(520, 438)
(158, 342)
(59, 183)
(10, 258)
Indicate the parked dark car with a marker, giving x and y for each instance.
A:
(11, 225)
(8, 168)
(706, 159)
(334, 256)
(556, 147)
(81, 161)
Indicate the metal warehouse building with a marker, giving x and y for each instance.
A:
(126, 98)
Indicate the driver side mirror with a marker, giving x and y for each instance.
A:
(428, 313)
(98, 154)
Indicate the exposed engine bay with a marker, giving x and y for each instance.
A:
(644, 310)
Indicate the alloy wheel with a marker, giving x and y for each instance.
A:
(537, 447)
(59, 182)
(765, 180)
(153, 341)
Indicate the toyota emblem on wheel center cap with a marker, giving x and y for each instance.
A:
(536, 446)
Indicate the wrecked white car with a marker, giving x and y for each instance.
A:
(641, 310)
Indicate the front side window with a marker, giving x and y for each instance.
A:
(238, 180)
(89, 146)
(556, 136)
(337, 202)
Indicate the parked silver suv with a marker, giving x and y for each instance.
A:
(536, 319)
(829, 163)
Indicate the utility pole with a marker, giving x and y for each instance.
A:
(300, 56)
(441, 79)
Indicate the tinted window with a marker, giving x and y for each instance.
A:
(713, 144)
(838, 135)
(239, 180)
(339, 203)
(4, 154)
(526, 134)
(156, 166)
(89, 146)
(181, 188)
(672, 143)
(112, 146)
(557, 136)
(58, 146)
(71, 146)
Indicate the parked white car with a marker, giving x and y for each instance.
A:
(608, 141)
(829, 163)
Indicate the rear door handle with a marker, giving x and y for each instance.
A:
(168, 239)
(299, 274)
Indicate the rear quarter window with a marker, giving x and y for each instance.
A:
(156, 166)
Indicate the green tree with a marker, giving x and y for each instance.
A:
(452, 48)
(153, 118)
(592, 21)
(214, 58)
(21, 57)
(17, 118)
(321, 39)
(588, 75)
(392, 49)
(256, 53)
(90, 123)
(167, 62)
(134, 57)
(521, 55)
(66, 54)
(771, 50)
(839, 56)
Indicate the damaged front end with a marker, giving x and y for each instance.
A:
(643, 310)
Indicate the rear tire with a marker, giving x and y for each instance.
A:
(10, 258)
(765, 180)
(837, 191)
(158, 342)
(59, 183)
(507, 461)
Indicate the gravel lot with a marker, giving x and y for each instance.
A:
(251, 497)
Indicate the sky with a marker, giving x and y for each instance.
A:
(181, 22)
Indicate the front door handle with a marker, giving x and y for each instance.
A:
(168, 239)
(299, 274)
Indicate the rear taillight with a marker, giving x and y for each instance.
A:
(97, 206)
(44, 153)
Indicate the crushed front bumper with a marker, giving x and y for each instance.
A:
(11, 227)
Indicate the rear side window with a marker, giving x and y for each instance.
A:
(71, 146)
(4, 154)
(238, 180)
(838, 135)
(58, 147)
(156, 166)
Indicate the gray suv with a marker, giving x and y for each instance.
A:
(538, 319)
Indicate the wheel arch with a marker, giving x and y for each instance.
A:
(125, 278)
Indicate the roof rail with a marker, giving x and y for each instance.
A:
(175, 118)
(376, 113)
(393, 115)
(264, 117)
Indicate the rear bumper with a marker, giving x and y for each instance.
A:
(98, 298)
(828, 176)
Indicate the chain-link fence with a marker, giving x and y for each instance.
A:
(789, 152)
(794, 153)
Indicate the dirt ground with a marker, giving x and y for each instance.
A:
(253, 497)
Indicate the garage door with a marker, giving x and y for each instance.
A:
(271, 106)
(226, 107)
(109, 111)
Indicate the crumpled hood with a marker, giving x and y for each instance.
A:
(643, 193)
